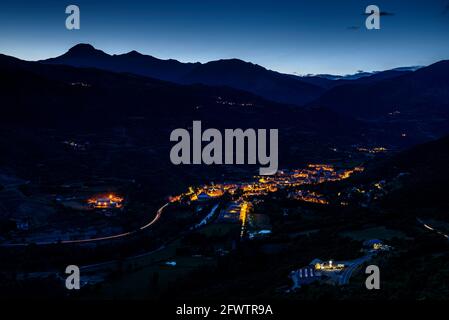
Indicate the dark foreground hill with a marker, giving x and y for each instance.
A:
(423, 91)
(415, 180)
(416, 101)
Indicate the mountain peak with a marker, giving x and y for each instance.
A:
(84, 49)
(233, 63)
(134, 53)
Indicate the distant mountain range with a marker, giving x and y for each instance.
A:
(363, 74)
(47, 101)
(66, 98)
(330, 81)
(233, 73)
(411, 104)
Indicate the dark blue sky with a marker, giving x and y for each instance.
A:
(289, 36)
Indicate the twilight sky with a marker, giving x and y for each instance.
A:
(308, 36)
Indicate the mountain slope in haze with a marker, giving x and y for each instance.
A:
(329, 81)
(233, 73)
(364, 74)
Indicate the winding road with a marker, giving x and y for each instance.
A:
(428, 227)
(88, 240)
(347, 273)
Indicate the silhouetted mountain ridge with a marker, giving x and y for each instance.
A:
(84, 49)
(60, 98)
(234, 73)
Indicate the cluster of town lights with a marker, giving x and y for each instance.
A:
(109, 201)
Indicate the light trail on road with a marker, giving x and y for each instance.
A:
(111, 237)
(158, 215)
(428, 227)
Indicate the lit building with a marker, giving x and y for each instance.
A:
(376, 245)
(328, 266)
(110, 201)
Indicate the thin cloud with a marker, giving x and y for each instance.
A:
(382, 14)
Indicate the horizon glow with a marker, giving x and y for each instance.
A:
(296, 37)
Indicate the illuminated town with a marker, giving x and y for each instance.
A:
(263, 185)
(245, 193)
(372, 150)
